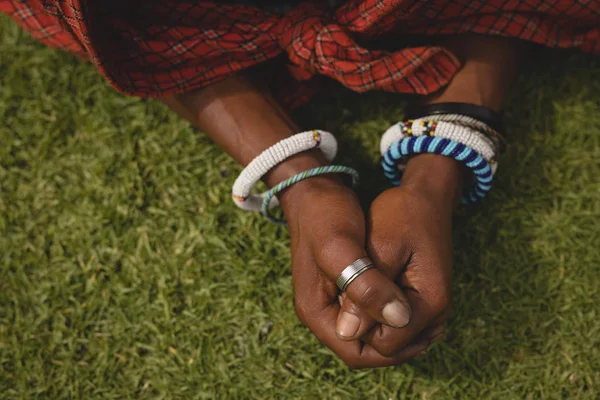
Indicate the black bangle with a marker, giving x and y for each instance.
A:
(490, 117)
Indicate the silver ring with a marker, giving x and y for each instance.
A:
(353, 271)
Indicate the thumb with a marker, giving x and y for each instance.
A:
(375, 296)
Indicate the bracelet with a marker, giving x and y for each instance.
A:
(330, 169)
(488, 121)
(483, 114)
(492, 135)
(273, 156)
(445, 147)
(445, 130)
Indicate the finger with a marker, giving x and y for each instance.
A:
(353, 315)
(352, 322)
(389, 341)
(377, 296)
(317, 307)
(425, 285)
(429, 336)
(390, 269)
(355, 354)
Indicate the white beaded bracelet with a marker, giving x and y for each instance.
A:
(273, 156)
(491, 135)
(477, 126)
(446, 130)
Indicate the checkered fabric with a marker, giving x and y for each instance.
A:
(156, 48)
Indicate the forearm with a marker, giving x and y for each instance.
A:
(244, 120)
(489, 67)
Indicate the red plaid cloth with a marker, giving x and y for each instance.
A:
(158, 48)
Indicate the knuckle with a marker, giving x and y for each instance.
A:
(440, 301)
(328, 253)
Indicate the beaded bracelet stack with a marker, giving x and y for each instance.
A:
(464, 138)
(276, 154)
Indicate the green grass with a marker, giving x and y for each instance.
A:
(126, 271)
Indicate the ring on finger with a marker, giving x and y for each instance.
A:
(353, 271)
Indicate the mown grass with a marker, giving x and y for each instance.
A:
(126, 272)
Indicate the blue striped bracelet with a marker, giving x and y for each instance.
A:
(445, 147)
(330, 169)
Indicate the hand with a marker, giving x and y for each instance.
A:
(327, 229)
(410, 242)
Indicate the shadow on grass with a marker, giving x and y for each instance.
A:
(505, 298)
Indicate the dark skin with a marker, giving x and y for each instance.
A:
(394, 312)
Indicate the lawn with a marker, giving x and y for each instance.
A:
(127, 272)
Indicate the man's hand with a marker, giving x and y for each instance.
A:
(327, 229)
(410, 243)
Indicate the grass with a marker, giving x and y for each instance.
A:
(126, 272)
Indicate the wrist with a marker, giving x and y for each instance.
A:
(310, 192)
(294, 165)
(435, 178)
(304, 190)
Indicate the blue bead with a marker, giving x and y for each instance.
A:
(404, 146)
(485, 180)
(485, 173)
(418, 147)
(427, 143)
(457, 150)
(470, 158)
(463, 154)
(389, 172)
(478, 164)
(393, 152)
(484, 186)
(450, 148)
(412, 146)
(387, 160)
(441, 146)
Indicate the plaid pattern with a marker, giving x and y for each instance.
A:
(163, 47)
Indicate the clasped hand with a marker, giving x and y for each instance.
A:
(395, 311)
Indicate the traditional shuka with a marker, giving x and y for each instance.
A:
(158, 48)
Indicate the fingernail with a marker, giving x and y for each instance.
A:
(396, 314)
(348, 325)
(341, 300)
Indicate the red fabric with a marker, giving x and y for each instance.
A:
(158, 48)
